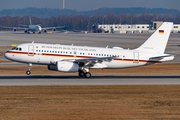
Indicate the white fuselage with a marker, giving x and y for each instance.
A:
(45, 54)
(34, 28)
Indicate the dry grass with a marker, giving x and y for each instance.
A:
(89, 102)
(170, 68)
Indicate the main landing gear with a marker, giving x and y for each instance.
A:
(28, 72)
(85, 74)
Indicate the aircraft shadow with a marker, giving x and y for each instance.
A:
(93, 77)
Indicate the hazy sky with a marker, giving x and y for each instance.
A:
(89, 4)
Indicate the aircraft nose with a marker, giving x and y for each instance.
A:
(40, 28)
(7, 56)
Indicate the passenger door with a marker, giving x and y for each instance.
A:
(136, 57)
(31, 50)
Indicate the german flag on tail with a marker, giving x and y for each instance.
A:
(161, 31)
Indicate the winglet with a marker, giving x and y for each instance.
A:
(158, 40)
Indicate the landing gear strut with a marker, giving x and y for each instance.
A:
(28, 72)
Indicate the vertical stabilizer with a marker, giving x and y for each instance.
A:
(158, 40)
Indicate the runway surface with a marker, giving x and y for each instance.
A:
(94, 80)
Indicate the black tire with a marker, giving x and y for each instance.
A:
(28, 72)
(87, 75)
(81, 74)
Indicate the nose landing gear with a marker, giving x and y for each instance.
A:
(28, 72)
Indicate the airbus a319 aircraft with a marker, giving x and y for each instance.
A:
(69, 58)
(32, 28)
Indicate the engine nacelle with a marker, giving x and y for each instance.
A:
(14, 29)
(25, 31)
(64, 66)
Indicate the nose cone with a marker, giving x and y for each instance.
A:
(7, 55)
(40, 28)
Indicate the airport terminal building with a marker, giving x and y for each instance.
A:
(135, 28)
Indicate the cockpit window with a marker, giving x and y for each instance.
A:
(17, 48)
(14, 48)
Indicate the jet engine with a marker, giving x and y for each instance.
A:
(45, 31)
(54, 29)
(25, 31)
(64, 66)
(14, 29)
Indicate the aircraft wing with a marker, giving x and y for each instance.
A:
(49, 28)
(23, 25)
(19, 28)
(90, 62)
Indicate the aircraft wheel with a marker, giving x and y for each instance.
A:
(81, 74)
(88, 75)
(28, 72)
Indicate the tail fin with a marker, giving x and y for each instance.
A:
(158, 40)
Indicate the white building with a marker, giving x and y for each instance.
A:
(135, 28)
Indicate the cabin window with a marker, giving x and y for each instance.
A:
(20, 49)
